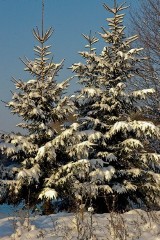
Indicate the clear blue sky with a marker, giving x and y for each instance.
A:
(69, 18)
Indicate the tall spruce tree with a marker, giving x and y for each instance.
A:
(40, 102)
(113, 164)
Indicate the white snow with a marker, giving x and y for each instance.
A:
(142, 94)
(48, 193)
(41, 152)
(32, 173)
(135, 224)
(108, 172)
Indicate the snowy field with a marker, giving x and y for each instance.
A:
(132, 225)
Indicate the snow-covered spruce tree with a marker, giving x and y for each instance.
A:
(40, 102)
(113, 162)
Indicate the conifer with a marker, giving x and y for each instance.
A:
(113, 163)
(40, 102)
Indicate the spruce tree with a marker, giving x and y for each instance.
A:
(40, 102)
(113, 163)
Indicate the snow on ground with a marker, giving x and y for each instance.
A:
(132, 225)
